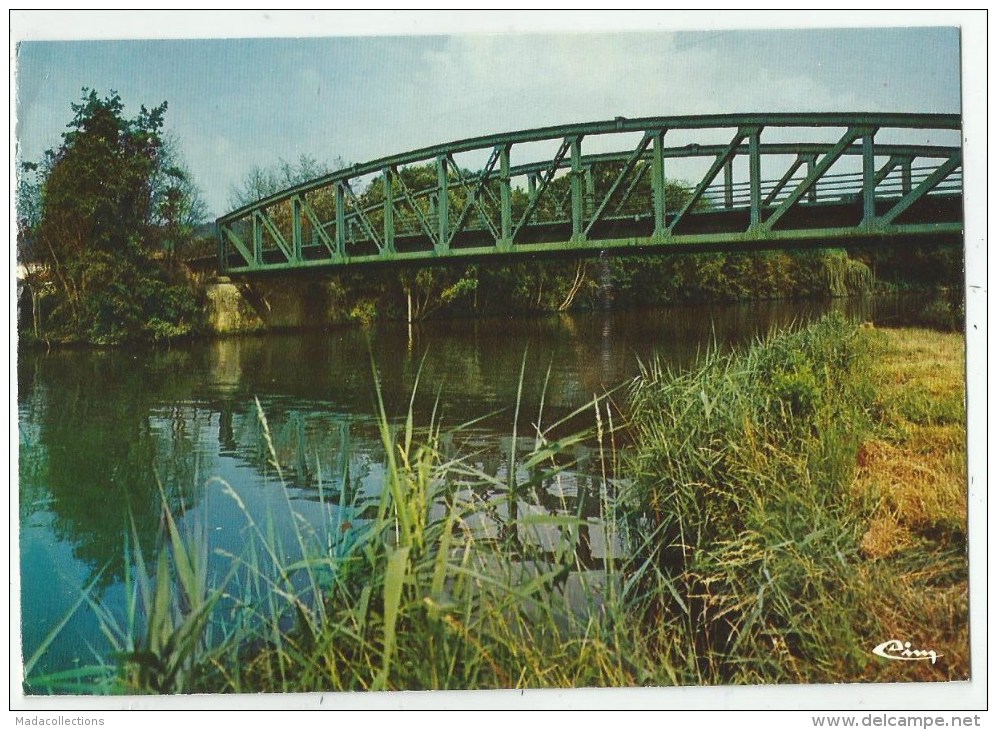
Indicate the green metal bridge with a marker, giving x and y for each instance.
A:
(750, 181)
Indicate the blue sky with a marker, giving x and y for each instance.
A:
(236, 103)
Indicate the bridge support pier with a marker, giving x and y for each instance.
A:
(238, 307)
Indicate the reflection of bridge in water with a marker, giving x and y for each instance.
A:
(338, 459)
(815, 180)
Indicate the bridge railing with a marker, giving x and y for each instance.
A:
(536, 191)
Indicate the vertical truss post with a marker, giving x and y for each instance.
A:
(531, 188)
(222, 258)
(755, 176)
(868, 179)
(257, 240)
(729, 183)
(389, 211)
(812, 193)
(296, 229)
(505, 198)
(340, 221)
(658, 183)
(576, 189)
(905, 177)
(443, 204)
(589, 191)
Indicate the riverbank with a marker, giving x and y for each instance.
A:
(745, 539)
(808, 502)
(912, 470)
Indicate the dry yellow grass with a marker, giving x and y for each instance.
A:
(913, 469)
(915, 465)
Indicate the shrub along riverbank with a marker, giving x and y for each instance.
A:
(780, 512)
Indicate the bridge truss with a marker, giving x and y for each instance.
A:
(815, 179)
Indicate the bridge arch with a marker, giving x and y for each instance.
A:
(754, 181)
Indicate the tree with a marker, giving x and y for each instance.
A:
(178, 204)
(261, 182)
(113, 195)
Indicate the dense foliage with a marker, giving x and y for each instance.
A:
(103, 221)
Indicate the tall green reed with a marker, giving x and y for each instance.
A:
(748, 568)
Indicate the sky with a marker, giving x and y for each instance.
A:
(235, 103)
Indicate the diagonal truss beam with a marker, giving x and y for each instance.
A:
(473, 195)
(634, 184)
(545, 180)
(926, 185)
(240, 246)
(407, 195)
(275, 234)
(721, 160)
(886, 169)
(797, 163)
(317, 227)
(627, 169)
(815, 173)
(361, 216)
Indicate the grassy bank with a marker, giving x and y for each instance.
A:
(778, 513)
(911, 469)
(806, 502)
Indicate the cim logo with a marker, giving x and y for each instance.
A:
(900, 650)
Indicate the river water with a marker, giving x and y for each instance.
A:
(103, 434)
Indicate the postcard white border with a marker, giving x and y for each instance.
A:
(36, 25)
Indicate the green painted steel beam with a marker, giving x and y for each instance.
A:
(889, 166)
(868, 178)
(296, 228)
(420, 217)
(257, 241)
(634, 184)
(241, 247)
(811, 164)
(388, 178)
(547, 176)
(755, 176)
(505, 195)
(318, 230)
(729, 182)
(816, 171)
(658, 197)
(728, 152)
(340, 220)
(774, 193)
(826, 237)
(689, 151)
(709, 121)
(442, 205)
(473, 195)
(360, 216)
(766, 149)
(926, 185)
(490, 194)
(577, 213)
(627, 168)
(275, 234)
